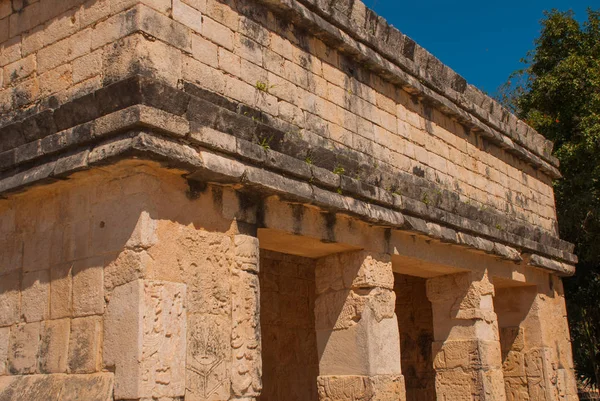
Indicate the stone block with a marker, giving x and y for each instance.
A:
(88, 287)
(57, 387)
(4, 342)
(208, 375)
(85, 344)
(246, 253)
(375, 271)
(54, 346)
(61, 285)
(10, 303)
(351, 387)
(145, 339)
(35, 296)
(23, 351)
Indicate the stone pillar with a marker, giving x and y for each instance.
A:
(466, 348)
(145, 340)
(246, 364)
(357, 329)
(536, 348)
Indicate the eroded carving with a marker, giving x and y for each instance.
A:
(246, 365)
(208, 358)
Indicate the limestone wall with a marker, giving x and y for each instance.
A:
(115, 281)
(290, 361)
(350, 118)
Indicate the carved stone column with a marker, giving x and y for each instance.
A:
(145, 339)
(357, 329)
(466, 348)
(535, 344)
(246, 364)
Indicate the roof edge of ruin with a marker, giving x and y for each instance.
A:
(363, 34)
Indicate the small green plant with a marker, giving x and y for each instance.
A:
(339, 170)
(265, 142)
(499, 227)
(426, 199)
(309, 160)
(262, 86)
(339, 191)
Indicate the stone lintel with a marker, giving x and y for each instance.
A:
(193, 117)
(211, 167)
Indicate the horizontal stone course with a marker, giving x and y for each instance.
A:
(368, 97)
(202, 108)
(365, 26)
(224, 170)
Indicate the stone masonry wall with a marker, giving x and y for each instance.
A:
(290, 360)
(415, 322)
(52, 51)
(113, 281)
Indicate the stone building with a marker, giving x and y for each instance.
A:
(266, 200)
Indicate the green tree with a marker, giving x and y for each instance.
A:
(558, 94)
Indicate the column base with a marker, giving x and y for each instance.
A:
(361, 388)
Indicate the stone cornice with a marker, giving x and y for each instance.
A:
(368, 38)
(139, 119)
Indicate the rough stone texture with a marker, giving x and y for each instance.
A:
(355, 388)
(466, 348)
(57, 387)
(150, 313)
(289, 344)
(146, 224)
(146, 145)
(535, 351)
(357, 329)
(246, 365)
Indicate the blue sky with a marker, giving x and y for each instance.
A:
(483, 41)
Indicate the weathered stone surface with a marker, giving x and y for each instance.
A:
(54, 346)
(10, 303)
(468, 360)
(145, 339)
(332, 136)
(208, 374)
(88, 287)
(57, 387)
(355, 388)
(4, 343)
(36, 295)
(85, 345)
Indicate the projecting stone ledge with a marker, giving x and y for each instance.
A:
(378, 207)
(117, 117)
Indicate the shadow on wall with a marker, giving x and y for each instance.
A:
(66, 246)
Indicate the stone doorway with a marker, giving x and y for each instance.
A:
(415, 323)
(290, 358)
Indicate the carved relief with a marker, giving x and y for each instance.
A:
(246, 365)
(361, 388)
(542, 377)
(246, 253)
(164, 338)
(344, 388)
(516, 389)
(208, 358)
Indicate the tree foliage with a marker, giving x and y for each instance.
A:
(558, 94)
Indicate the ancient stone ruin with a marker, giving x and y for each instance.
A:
(266, 200)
